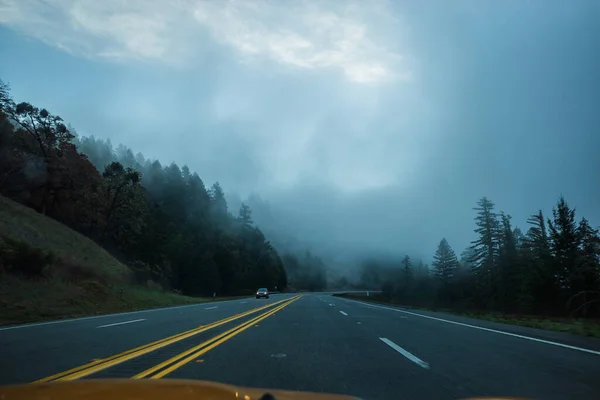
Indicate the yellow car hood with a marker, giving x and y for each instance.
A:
(172, 389)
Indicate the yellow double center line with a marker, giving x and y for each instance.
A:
(179, 360)
(99, 365)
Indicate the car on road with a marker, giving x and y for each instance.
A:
(262, 292)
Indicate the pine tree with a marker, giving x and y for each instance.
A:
(245, 215)
(407, 269)
(564, 243)
(445, 262)
(508, 265)
(586, 277)
(218, 201)
(485, 250)
(537, 235)
(539, 281)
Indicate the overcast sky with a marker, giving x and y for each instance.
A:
(377, 124)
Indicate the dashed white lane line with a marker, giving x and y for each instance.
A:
(210, 308)
(343, 313)
(121, 323)
(331, 304)
(243, 302)
(566, 346)
(405, 353)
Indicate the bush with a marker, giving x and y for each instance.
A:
(150, 284)
(21, 258)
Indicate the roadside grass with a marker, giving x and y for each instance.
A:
(578, 326)
(25, 300)
(48, 271)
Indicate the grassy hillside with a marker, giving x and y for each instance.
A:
(24, 225)
(49, 271)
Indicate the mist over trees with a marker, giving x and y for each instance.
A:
(160, 220)
(172, 230)
(552, 269)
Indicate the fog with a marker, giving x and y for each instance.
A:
(368, 127)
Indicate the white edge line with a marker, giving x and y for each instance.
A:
(341, 312)
(405, 353)
(61, 321)
(210, 308)
(121, 323)
(566, 346)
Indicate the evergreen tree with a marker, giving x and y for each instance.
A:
(407, 269)
(245, 215)
(586, 277)
(564, 245)
(485, 250)
(445, 262)
(509, 266)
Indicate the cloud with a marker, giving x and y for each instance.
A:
(338, 36)
(110, 29)
(302, 35)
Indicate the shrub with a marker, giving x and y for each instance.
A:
(21, 258)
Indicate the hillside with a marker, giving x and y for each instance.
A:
(23, 224)
(161, 221)
(50, 271)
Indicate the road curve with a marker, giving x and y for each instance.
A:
(312, 342)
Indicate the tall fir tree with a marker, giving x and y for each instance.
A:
(564, 245)
(445, 262)
(485, 250)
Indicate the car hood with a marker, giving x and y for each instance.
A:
(176, 389)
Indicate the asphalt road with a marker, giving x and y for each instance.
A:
(312, 342)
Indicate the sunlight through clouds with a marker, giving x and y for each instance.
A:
(304, 35)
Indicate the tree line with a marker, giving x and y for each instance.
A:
(159, 220)
(304, 270)
(551, 269)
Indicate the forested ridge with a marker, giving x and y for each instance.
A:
(159, 220)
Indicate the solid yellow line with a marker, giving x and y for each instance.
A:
(103, 363)
(103, 360)
(170, 361)
(157, 346)
(218, 342)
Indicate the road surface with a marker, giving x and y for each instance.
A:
(312, 342)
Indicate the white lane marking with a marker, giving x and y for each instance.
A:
(243, 302)
(566, 346)
(405, 353)
(120, 323)
(210, 308)
(62, 321)
(341, 312)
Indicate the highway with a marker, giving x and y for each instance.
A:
(311, 342)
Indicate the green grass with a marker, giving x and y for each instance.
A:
(23, 224)
(578, 326)
(25, 300)
(79, 278)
